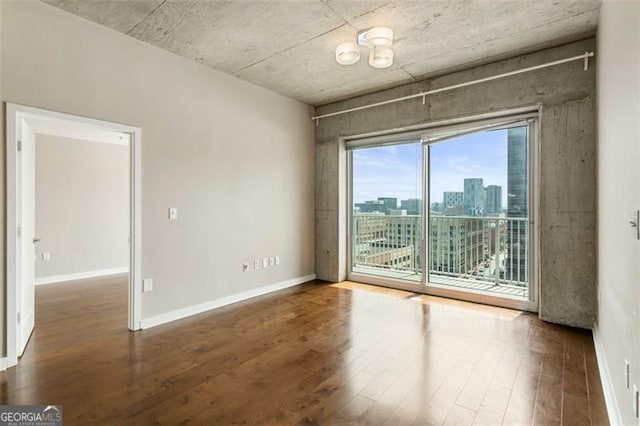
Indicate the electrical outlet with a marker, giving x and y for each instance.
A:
(277, 260)
(256, 264)
(272, 261)
(265, 262)
(245, 267)
(147, 285)
(627, 382)
(46, 256)
(636, 401)
(173, 213)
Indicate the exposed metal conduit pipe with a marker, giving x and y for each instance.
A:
(585, 57)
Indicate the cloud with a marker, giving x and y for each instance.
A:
(396, 171)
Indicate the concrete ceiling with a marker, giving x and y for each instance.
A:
(288, 46)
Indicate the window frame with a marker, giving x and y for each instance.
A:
(433, 133)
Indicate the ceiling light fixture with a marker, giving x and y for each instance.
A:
(347, 53)
(376, 36)
(378, 39)
(380, 57)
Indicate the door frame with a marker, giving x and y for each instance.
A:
(15, 113)
(424, 287)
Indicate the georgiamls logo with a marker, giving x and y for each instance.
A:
(30, 415)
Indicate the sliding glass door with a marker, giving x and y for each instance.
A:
(449, 211)
(479, 212)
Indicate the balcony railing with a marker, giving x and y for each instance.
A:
(490, 253)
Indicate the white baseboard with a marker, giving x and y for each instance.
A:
(3, 364)
(80, 275)
(613, 409)
(217, 303)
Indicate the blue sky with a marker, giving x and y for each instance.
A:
(396, 171)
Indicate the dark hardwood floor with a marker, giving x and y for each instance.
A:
(314, 354)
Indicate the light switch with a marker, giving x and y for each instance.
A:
(277, 260)
(173, 213)
(147, 285)
(265, 262)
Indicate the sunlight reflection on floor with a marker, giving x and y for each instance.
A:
(502, 313)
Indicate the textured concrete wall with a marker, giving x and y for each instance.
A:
(567, 165)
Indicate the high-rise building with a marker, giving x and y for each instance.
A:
(374, 206)
(493, 199)
(388, 242)
(437, 207)
(453, 199)
(459, 245)
(413, 206)
(390, 203)
(453, 202)
(517, 205)
(473, 197)
(517, 191)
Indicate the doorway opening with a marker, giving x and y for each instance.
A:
(60, 247)
(447, 211)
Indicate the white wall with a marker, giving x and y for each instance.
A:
(617, 331)
(235, 159)
(82, 206)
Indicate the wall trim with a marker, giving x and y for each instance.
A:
(3, 364)
(223, 301)
(53, 279)
(613, 409)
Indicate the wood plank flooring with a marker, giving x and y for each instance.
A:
(314, 354)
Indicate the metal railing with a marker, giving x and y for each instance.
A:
(488, 249)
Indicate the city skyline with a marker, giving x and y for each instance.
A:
(491, 202)
(396, 171)
(480, 233)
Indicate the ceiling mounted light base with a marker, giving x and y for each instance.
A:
(376, 36)
(347, 53)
